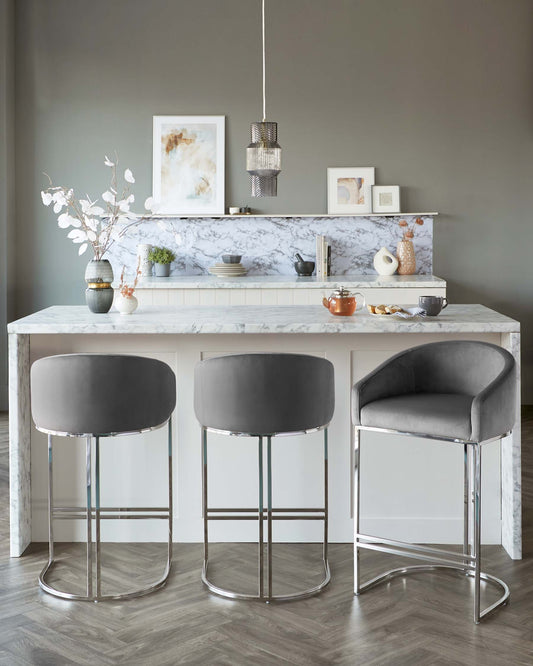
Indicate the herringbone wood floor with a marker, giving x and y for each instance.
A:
(422, 620)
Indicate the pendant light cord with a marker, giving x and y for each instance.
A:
(264, 60)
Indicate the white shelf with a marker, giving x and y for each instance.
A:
(159, 216)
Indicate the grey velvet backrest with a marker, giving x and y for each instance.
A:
(481, 370)
(264, 393)
(101, 393)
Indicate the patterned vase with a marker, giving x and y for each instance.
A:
(405, 252)
(99, 270)
(99, 293)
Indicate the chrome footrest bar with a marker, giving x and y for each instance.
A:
(412, 547)
(413, 554)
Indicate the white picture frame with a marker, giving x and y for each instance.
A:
(386, 199)
(350, 190)
(188, 165)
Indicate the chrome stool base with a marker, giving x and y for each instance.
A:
(466, 563)
(261, 515)
(229, 594)
(98, 513)
(47, 587)
(425, 568)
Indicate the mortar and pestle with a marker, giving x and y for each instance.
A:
(302, 267)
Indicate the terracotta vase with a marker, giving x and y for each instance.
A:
(406, 257)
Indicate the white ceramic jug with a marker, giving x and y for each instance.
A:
(385, 262)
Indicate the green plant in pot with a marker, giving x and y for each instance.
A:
(161, 257)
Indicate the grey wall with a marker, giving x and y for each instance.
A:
(7, 183)
(437, 94)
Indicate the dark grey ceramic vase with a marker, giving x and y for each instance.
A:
(99, 293)
(99, 299)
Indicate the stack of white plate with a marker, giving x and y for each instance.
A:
(227, 270)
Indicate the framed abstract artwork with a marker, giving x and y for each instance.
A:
(350, 190)
(385, 198)
(188, 165)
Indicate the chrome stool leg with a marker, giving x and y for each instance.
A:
(260, 520)
(259, 515)
(464, 563)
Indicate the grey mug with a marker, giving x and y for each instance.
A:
(432, 305)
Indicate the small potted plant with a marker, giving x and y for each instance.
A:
(161, 257)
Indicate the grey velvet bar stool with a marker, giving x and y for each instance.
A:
(455, 391)
(98, 396)
(264, 396)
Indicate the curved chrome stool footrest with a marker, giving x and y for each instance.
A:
(414, 569)
(229, 594)
(47, 587)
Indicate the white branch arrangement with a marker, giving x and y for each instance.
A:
(92, 224)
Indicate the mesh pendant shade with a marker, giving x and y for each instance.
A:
(263, 159)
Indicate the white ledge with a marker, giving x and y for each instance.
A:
(289, 282)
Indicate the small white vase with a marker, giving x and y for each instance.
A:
(126, 304)
(385, 262)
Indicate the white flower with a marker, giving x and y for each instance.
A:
(91, 236)
(149, 204)
(108, 162)
(128, 176)
(77, 235)
(124, 205)
(109, 197)
(82, 249)
(65, 220)
(91, 223)
(47, 198)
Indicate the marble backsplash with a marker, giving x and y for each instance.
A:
(268, 244)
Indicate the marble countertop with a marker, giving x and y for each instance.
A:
(289, 282)
(250, 319)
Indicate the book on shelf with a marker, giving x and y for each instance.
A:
(323, 257)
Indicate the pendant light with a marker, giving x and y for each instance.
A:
(263, 155)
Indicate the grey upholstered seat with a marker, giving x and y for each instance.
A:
(264, 393)
(455, 389)
(95, 396)
(460, 391)
(101, 393)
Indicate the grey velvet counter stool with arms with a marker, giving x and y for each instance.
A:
(461, 392)
(264, 396)
(95, 396)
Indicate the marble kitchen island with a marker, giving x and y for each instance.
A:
(183, 335)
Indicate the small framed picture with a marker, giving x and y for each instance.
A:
(350, 190)
(386, 199)
(188, 164)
